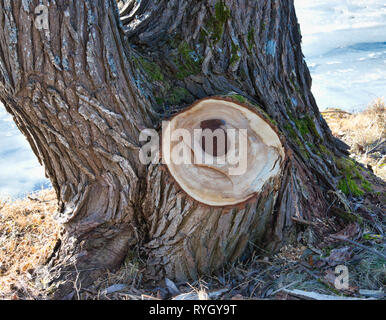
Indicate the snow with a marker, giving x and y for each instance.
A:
(344, 43)
(20, 172)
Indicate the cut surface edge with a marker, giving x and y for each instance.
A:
(214, 184)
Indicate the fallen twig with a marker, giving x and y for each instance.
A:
(359, 245)
(317, 296)
(37, 199)
(284, 288)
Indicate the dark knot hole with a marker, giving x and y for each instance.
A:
(218, 139)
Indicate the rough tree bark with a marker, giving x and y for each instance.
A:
(83, 89)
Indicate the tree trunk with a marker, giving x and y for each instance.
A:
(82, 86)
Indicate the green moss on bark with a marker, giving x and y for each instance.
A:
(152, 69)
(188, 62)
(178, 95)
(348, 184)
(216, 23)
(251, 39)
(235, 56)
(222, 14)
(305, 125)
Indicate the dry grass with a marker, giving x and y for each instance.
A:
(28, 235)
(368, 270)
(364, 132)
(363, 128)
